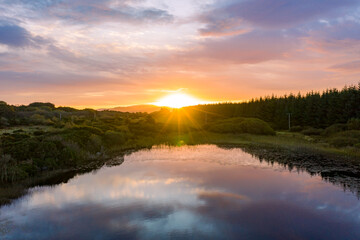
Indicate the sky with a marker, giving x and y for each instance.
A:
(88, 53)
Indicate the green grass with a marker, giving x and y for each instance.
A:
(27, 129)
(294, 141)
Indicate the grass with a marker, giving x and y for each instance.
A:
(7, 194)
(27, 129)
(289, 140)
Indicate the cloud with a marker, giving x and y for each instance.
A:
(251, 48)
(343, 30)
(222, 26)
(114, 63)
(11, 80)
(336, 36)
(296, 221)
(275, 13)
(353, 66)
(338, 32)
(93, 11)
(13, 35)
(87, 221)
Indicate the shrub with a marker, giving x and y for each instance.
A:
(72, 153)
(5, 162)
(81, 135)
(19, 136)
(354, 124)
(4, 122)
(96, 142)
(256, 126)
(45, 163)
(349, 134)
(19, 131)
(296, 129)
(112, 138)
(15, 173)
(59, 124)
(335, 128)
(41, 105)
(343, 141)
(9, 171)
(241, 125)
(40, 119)
(312, 131)
(89, 129)
(38, 133)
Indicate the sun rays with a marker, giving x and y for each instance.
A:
(178, 100)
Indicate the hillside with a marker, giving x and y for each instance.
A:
(148, 108)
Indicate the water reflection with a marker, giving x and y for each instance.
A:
(186, 192)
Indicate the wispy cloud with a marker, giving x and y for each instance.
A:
(91, 11)
(277, 13)
(353, 66)
(13, 35)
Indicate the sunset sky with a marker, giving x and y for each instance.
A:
(88, 53)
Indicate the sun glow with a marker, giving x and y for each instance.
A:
(177, 100)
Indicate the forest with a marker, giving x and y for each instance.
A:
(313, 109)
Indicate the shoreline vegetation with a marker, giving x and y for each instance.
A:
(337, 167)
(41, 144)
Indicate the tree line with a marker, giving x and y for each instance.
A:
(314, 109)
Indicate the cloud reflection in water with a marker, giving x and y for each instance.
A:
(185, 192)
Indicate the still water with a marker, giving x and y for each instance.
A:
(190, 192)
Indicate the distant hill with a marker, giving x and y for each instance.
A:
(136, 108)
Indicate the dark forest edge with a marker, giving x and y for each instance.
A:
(40, 140)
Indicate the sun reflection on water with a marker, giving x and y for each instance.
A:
(188, 192)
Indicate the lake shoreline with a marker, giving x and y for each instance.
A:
(12, 191)
(340, 169)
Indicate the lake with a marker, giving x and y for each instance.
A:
(188, 192)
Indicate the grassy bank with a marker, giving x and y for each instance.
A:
(14, 190)
(291, 149)
(285, 140)
(25, 154)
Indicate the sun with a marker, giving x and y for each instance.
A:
(177, 100)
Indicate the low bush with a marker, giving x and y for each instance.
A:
(19, 136)
(256, 126)
(335, 128)
(4, 122)
(96, 142)
(312, 131)
(40, 119)
(38, 133)
(19, 131)
(349, 134)
(343, 141)
(93, 130)
(296, 129)
(112, 138)
(241, 125)
(354, 124)
(9, 170)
